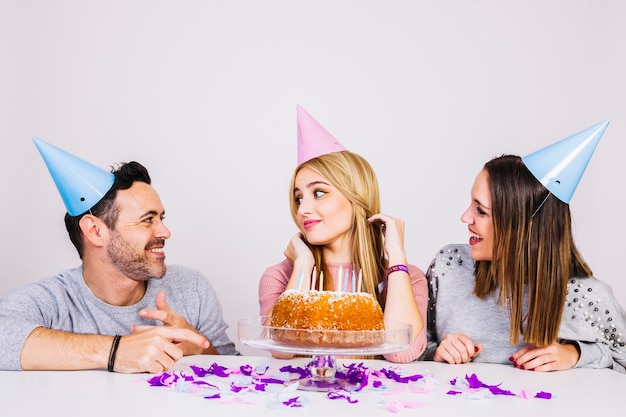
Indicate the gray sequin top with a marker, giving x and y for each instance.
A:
(592, 317)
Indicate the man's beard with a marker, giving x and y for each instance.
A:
(136, 266)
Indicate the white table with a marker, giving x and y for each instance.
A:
(100, 393)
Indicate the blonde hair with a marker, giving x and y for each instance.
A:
(354, 177)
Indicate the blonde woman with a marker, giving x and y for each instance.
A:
(335, 204)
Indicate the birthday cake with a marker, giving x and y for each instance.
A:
(327, 318)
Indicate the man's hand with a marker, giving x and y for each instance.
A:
(170, 318)
(155, 349)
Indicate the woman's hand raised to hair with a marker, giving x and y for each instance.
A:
(393, 233)
(298, 252)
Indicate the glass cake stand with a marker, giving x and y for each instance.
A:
(255, 332)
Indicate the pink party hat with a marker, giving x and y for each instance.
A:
(81, 184)
(560, 166)
(313, 139)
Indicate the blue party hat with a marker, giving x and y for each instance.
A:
(560, 166)
(80, 183)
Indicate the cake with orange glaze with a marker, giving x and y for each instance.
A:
(327, 318)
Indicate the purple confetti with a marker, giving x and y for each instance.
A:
(217, 370)
(165, 379)
(398, 378)
(246, 370)
(304, 373)
(495, 390)
(236, 388)
(474, 382)
(214, 369)
(292, 402)
(205, 383)
(544, 395)
(271, 381)
(356, 374)
(335, 395)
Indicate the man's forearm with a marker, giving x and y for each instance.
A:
(47, 349)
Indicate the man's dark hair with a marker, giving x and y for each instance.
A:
(125, 175)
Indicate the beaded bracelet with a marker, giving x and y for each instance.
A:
(397, 268)
(114, 345)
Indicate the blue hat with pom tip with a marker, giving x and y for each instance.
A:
(81, 184)
(560, 166)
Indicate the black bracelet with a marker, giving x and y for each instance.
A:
(116, 342)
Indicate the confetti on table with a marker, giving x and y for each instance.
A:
(260, 385)
(474, 388)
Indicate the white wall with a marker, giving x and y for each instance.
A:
(204, 93)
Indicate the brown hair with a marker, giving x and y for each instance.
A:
(533, 253)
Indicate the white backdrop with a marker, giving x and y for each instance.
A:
(204, 94)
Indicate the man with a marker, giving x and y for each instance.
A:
(123, 309)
